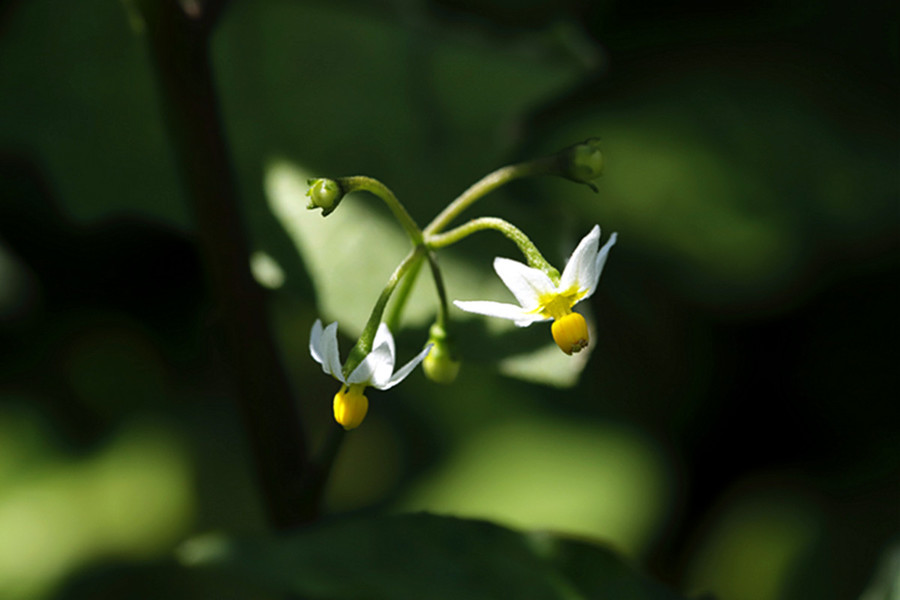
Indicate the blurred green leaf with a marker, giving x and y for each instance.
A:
(885, 584)
(420, 556)
(378, 94)
(78, 97)
(732, 181)
(131, 500)
(780, 525)
(535, 472)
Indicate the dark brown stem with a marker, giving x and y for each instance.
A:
(179, 45)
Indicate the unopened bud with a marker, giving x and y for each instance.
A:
(325, 194)
(441, 364)
(582, 163)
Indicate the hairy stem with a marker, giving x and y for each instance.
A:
(526, 247)
(361, 182)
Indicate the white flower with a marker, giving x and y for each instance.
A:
(541, 300)
(376, 370)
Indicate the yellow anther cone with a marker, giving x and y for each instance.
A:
(350, 407)
(570, 333)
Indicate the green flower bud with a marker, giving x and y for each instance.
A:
(441, 364)
(325, 194)
(582, 163)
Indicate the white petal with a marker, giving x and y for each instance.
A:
(326, 347)
(532, 318)
(375, 368)
(497, 309)
(383, 336)
(599, 262)
(526, 283)
(315, 344)
(405, 369)
(580, 268)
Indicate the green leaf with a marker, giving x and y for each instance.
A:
(543, 472)
(885, 583)
(418, 556)
(734, 183)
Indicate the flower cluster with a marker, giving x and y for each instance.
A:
(541, 292)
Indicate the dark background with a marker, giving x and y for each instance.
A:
(735, 428)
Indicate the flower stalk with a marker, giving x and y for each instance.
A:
(580, 163)
(375, 187)
(364, 344)
(526, 246)
(401, 296)
(486, 185)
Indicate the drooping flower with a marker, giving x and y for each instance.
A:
(540, 299)
(375, 370)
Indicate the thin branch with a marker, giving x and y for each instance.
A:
(180, 52)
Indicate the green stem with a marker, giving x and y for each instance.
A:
(487, 184)
(526, 246)
(396, 311)
(373, 186)
(364, 344)
(393, 319)
(441, 290)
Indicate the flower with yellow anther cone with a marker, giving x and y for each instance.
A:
(540, 299)
(375, 370)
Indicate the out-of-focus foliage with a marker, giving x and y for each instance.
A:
(424, 556)
(704, 172)
(754, 544)
(599, 481)
(885, 584)
(736, 419)
(130, 500)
